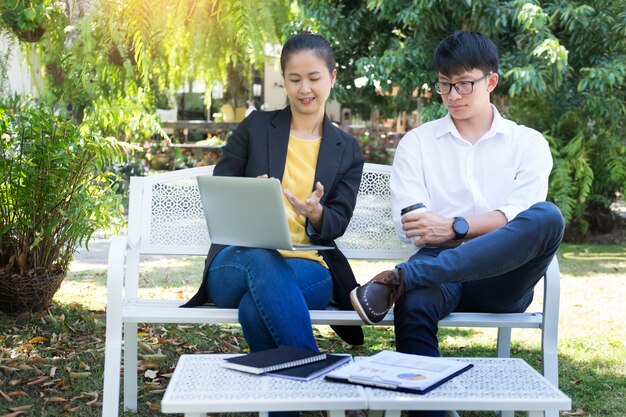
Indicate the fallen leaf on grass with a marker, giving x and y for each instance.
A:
(75, 409)
(56, 400)
(144, 365)
(156, 406)
(39, 380)
(574, 381)
(5, 396)
(94, 395)
(150, 374)
(147, 347)
(21, 408)
(578, 412)
(80, 374)
(155, 356)
(14, 414)
(15, 394)
(157, 391)
(53, 382)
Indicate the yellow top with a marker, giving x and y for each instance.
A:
(298, 177)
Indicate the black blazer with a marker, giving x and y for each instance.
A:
(259, 146)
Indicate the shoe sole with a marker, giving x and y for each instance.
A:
(358, 308)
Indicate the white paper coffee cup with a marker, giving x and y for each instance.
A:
(414, 208)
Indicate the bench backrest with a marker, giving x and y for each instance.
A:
(165, 216)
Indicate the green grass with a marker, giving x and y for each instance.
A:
(52, 362)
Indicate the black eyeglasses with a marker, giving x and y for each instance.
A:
(462, 87)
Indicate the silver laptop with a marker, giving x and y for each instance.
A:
(249, 212)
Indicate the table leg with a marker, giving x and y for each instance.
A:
(336, 413)
(263, 413)
(195, 414)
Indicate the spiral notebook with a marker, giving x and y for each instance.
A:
(313, 370)
(272, 360)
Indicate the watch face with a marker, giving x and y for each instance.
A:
(461, 227)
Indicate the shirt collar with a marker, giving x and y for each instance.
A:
(499, 125)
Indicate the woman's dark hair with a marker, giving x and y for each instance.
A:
(308, 42)
(465, 50)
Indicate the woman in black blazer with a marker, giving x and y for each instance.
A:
(320, 168)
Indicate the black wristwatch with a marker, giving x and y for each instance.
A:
(460, 228)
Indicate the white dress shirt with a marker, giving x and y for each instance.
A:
(507, 169)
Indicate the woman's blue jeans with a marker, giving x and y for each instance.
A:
(493, 273)
(273, 295)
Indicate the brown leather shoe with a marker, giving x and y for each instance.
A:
(373, 300)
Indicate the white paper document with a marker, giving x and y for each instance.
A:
(400, 371)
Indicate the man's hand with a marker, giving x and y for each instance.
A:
(311, 207)
(436, 230)
(432, 228)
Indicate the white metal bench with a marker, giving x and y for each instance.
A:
(165, 218)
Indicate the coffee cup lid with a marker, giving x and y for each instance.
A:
(411, 208)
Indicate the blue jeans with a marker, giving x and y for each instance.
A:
(273, 295)
(493, 273)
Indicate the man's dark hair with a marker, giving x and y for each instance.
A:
(465, 50)
(308, 42)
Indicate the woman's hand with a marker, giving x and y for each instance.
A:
(311, 207)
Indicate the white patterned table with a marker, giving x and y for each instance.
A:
(492, 384)
(199, 385)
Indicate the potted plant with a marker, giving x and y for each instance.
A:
(54, 193)
(166, 107)
(28, 19)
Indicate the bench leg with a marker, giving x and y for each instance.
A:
(112, 363)
(130, 366)
(452, 413)
(550, 359)
(504, 342)
(504, 351)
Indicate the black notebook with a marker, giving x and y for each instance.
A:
(272, 359)
(313, 370)
(400, 372)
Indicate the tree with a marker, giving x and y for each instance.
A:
(563, 72)
(107, 60)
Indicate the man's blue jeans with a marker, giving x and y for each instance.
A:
(493, 273)
(273, 295)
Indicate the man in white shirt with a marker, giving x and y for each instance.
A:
(488, 235)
